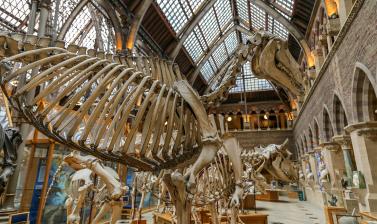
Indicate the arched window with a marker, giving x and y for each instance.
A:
(340, 118)
(328, 132)
(364, 100)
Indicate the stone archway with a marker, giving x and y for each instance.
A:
(363, 133)
(339, 116)
(364, 94)
(316, 132)
(328, 130)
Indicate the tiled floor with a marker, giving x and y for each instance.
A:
(291, 212)
(284, 212)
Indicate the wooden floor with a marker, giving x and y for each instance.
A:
(286, 211)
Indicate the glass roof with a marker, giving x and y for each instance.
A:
(13, 15)
(247, 81)
(217, 20)
(90, 28)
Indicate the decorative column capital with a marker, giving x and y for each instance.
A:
(331, 146)
(343, 140)
(317, 149)
(367, 129)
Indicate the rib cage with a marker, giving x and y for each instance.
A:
(122, 109)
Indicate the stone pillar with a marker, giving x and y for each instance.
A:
(258, 121)
(364, 141)
(277, 114)
(268, 121)
(344, 8)
(318, 58)
(345, 144)
(313, 166)
(313, 195)
(333, 158)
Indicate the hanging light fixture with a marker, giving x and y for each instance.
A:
(229, 119)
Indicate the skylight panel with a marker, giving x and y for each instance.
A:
(255, 84)
(224, 12)
(175, 14)
(82, 20)
(192, 46)
(195, 5)
(270, 24)
(242, 10)
(90, 39)
(258, 17)
(206, 71)
(107, 35)
(280, 30)
(13, 14)
(231, 42)
(286, 4)
(220, 55)
(65, 10)
(209, 26)
(213, 64)
(251, 83)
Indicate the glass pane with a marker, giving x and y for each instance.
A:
(258, 17)
(209, 26)
(242, 10)
(193, 47)
(220, 55)
(179, 12)
(207, 71)
(231, 42)
(13, 15)
(250, 81)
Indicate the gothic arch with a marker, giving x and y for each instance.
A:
(327, 125)
(339, 115)
(316, 132)
(364, 92)
(311, 138)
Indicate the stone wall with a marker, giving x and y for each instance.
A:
(250, 139)
(358, 48)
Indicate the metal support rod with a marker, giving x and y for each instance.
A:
(55, 22)
(42, 20)
(33, 12)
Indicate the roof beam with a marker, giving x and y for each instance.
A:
(183, 35)
(139, 15)
(213, 47)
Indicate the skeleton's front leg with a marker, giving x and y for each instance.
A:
(102, 212)
(74, 216)
(233, 149)
(68, 206)
(182, 203)
(141, 205)
(209, 151)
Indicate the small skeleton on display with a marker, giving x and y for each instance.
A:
(10, 140)
(143, 182)
(108, 188)
(274, 159)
